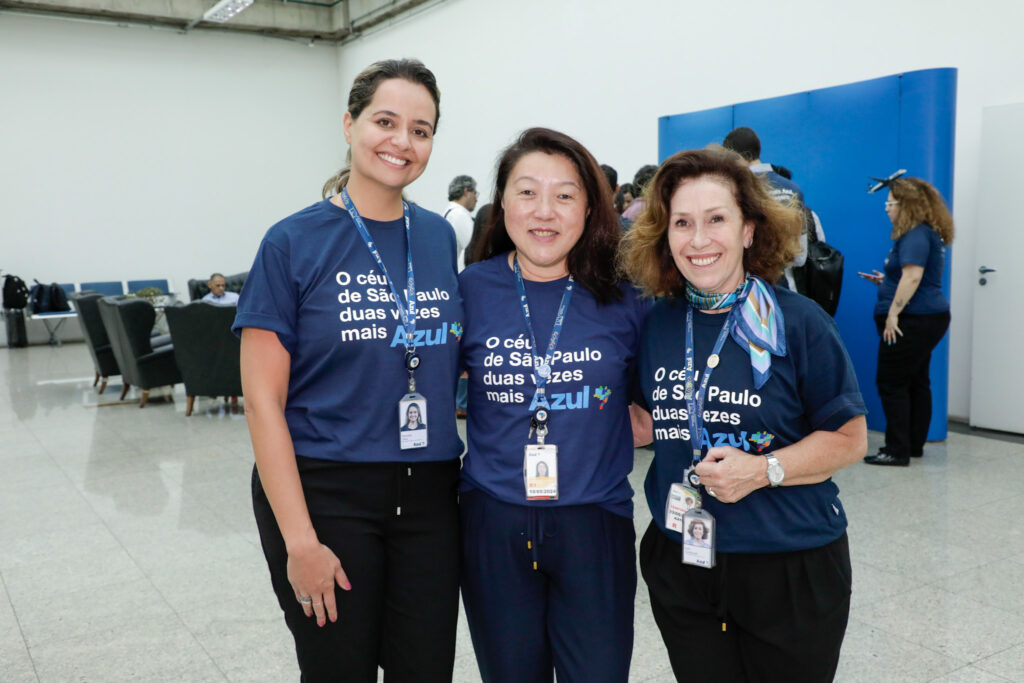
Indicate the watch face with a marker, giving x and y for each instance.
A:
(775, 473)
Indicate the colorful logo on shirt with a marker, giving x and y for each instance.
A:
(431, 337)
(761, 439)
(602, 394)
(456, 329)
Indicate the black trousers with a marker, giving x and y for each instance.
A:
(903, 383)
(753, 617)
(403, 608)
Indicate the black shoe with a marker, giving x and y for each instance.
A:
(886, 459)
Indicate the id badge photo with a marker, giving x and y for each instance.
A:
(699, 538)
(681, 499)
(540, 472)
(412, 418)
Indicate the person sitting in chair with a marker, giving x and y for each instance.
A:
(218, 291)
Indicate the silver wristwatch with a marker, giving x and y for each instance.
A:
(775, 472)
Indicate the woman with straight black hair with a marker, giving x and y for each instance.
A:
(548, 562)
(350, 312)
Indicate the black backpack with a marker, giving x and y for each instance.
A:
(823, 271)
(49, 298)
(15, 292)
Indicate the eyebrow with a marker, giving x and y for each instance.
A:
(687, 213)
(536, 180)
(420, 122)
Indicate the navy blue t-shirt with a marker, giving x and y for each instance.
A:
(813, 387)
(588, 390)
(919, 246)
(316, 285)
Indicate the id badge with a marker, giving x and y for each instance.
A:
(540, 472)
(681, 499)
(412, 418)
(699, 538)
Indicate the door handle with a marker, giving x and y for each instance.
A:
(984, 270)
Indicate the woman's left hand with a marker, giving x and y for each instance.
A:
(892, 329)
(731, 474)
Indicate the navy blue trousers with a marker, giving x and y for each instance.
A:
(548, 590)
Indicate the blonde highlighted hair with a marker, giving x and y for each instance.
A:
(920, 202)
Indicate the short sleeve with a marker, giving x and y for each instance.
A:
(269, 299)
(828, 383)
(914, 247)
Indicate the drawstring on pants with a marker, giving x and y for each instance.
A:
(398, 486)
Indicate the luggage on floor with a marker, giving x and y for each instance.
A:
(17, 337)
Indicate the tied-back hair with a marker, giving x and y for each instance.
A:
(920, 202)
(591, 261)
(364, 87)
(645, 256)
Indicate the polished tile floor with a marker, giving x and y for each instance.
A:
(128, 550)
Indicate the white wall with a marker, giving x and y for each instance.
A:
(130, 153)
(605, 71)
(134, 153)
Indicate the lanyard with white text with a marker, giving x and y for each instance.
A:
(541, 366)
(408, 314)
(695, 402)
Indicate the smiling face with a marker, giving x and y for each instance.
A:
(412, 414)
(698, 531)
(392, 138)
(545, 211)
(707, 234)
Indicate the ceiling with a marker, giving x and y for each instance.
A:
(333, 21)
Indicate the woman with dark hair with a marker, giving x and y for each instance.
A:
(912, 315)
(358, 524)
(755, 405)
(548, 561)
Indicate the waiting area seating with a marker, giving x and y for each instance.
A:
(129, 324)
(207, 352)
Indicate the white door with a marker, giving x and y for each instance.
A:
(997, 363)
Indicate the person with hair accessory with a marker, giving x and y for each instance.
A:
(911, 314)
(754, 405)
(548, 559)
(358, 519)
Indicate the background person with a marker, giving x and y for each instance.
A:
(775, 413)
(360, 536)
(462, 198)
(218, 293)
(549, 585)
(912, 315)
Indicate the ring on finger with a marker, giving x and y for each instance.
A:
(712, 493)
(306, 599)
(318, 604)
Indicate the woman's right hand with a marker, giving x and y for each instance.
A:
(313, 571)
(874, 277)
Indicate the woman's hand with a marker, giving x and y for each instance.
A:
(312, 571)
(874, 277)
(892, 329)
(731, 474)
(643, 425)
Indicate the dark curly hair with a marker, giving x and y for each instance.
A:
(645, 257)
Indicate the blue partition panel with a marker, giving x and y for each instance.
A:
(136, 285)
(107, 288)
(832, 140)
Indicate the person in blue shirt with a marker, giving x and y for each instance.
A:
(219, 293)
(911, 314)
(549, 580)
(753, 406)
(351, 311)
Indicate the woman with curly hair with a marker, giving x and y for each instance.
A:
(912, 315)
(755, 405)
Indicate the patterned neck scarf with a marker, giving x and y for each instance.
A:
(759, 326)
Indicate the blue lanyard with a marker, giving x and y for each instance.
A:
(408, 314)
(542, 367)
(695, 402)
